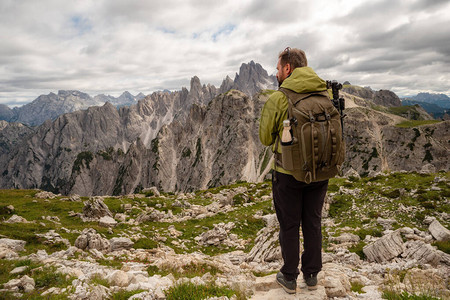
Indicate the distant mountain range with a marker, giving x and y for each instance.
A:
(436, 104)
(250, 79)
(198, 138)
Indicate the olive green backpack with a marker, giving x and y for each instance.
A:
(318, 148)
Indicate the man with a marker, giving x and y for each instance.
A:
(296, 203)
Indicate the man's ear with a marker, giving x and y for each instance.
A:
(288, 68)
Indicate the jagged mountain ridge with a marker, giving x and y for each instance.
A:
(49, 107)
(250, 79)
(159, 142)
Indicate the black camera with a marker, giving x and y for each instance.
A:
(338, 102)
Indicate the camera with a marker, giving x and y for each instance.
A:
(338, 102)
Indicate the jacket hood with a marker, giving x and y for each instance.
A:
(304, 80)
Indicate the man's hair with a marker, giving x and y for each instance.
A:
(293, 56)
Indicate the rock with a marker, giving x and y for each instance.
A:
(18, 270)
(90, 239)
(121, 217)
(334, 280)
(428, 169)
(153, 190)
(154, 216)
(45, 195)
(220, 234)
(75, 198)
(52, 238)
(439, 232)
(16, 219)
(14, 245)
(266, 247)
(120, 243)
(422, 252)
(95, 208)
(7, 253)
(385, 248)
(386, 223)
(119, 278)
(173, 232)
(107, 221)
(345, 238)
(10, 209)
(25, 283)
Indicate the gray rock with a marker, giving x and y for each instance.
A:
(95, 208)
(422, 252)
(120, 243)
(90, 239)
(18, 270)
(438, 231)
(45, 195)
(15, 245)
(52, 237)
(153, 190)
(266, 248)
(107, 221)
(16, 219)
(385, 248)
(25, 283)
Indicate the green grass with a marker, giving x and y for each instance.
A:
(416, 123)
(189, 291)
(190, 270)
(357, 287)
(392, 295)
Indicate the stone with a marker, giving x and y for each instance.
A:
(119, 278)
(95, 208)
(428, 169)
(16, 219)
(7, 253)
(439, 232)
(385, 248)
(334, 280)
(90, 239)
(52, 237)
(107, 221)
(422, 252)
(120, 243)
(18, 270)
(346, 238)
(266, 248)
(153, 190)
(14, 245)
(45, 195)
(121, 217)
(25, 283)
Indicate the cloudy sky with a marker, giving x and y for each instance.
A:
(110, 46)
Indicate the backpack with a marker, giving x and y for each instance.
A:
(318, 149)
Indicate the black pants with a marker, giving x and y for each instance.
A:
(297, 203)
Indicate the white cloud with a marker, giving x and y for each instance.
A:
(110, 46)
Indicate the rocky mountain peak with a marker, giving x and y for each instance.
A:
(252, 78)
(386, 98)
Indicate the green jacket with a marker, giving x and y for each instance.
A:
(302, 80)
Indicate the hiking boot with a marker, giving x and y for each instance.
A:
(290, 286)
(311, 281)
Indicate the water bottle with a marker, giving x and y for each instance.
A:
(286, 136)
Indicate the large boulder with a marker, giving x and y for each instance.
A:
(90, 239)
(267, 247)
(439, 232)
(120, 243)
(385, 248)
(95, 208)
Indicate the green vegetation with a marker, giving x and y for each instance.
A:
(83, 157)
(124, 295)
(392, 295)
(189, 291)
(357, 287)
(416, 123)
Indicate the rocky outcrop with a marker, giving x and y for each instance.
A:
(386, 98)
(385, 248)
(94, 209)
(90, 239)
(439, 232)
